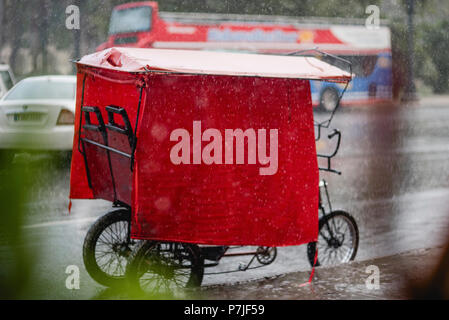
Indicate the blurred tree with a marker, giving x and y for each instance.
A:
(399, 66)
(36, 28)
(2, 10)
(43, 32)
(410, 89)
(429, 44)
(40, 25)
(436, 44)
(14, 28)
(325, 8)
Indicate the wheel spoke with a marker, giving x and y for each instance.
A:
(170, 266)
(107, 254)
(336, 240)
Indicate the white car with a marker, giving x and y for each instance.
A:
(6, 79)
(38, 114)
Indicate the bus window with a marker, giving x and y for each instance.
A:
(368, 65)
(130, 20)
(362, 66)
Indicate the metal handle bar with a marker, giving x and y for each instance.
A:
(337, 147)
(327, 122)
(333, 154)
(88, 125)
(323, 54)
(101, 127)
(127, 130)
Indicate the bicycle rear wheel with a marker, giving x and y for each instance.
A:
(106, 248)
(338, 240)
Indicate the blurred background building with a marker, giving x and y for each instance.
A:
(33, 39)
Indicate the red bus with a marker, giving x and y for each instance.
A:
(141, 25)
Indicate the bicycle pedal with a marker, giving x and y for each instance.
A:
(242, 266)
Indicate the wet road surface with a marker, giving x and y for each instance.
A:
(394, 163)
(400, 277)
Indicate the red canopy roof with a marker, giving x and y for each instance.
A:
(215, 63)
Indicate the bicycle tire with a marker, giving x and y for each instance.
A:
(312, 246)
(91, 243)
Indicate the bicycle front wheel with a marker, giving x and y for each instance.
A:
(338, 240)
(164, 268)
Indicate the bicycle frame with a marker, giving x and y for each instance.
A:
(216, 253)
(213, 253)
(324, 200)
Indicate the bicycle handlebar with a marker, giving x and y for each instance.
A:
(333, 154)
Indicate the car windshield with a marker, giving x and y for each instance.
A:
(43, 89)
(130, 20)
(6, 78)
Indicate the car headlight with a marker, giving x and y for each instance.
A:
(66, 117)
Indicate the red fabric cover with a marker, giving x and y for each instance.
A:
(208, 204)
(103, 88)
(226, 204)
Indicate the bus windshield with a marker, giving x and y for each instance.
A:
(363, 65)
(130, 20)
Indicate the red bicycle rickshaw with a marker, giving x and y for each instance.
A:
(178, 142)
